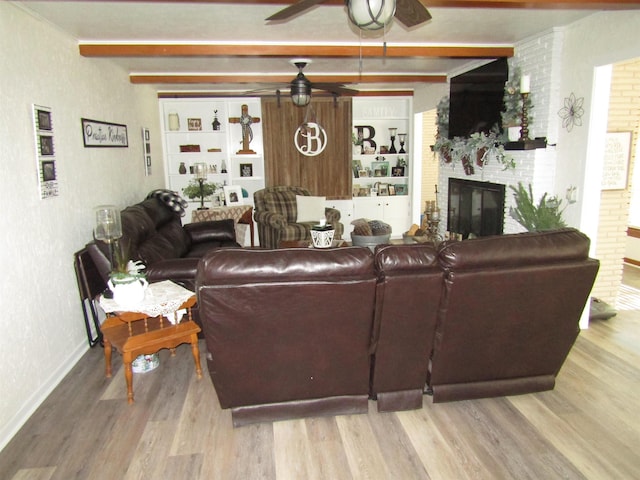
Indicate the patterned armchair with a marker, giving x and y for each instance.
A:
(276, 215)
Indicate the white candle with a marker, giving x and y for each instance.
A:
(323, 221)
(525, 84)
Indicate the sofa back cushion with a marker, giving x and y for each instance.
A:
(153, 232)
(290, 324)
(511, 306)
(408, 293)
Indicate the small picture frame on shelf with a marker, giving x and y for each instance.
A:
(194, 124)
(392, 190)
(233, 195)
(246, 170)
(397, 171)
(401, 189)
(383, 190)
(363, 173)
(380, 169)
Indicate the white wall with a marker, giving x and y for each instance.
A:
(42, 326)
(598, 40)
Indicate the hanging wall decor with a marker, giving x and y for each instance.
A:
(617, 153)
(103, 134)
(45, 151)
(146, 151)
(572, 112)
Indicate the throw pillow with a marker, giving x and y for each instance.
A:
(310, 209)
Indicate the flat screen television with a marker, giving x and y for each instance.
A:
(475, 208)
(476, 99)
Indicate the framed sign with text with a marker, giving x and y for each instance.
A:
(615, 168)
(103, 134)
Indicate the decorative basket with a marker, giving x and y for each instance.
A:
(322, 237)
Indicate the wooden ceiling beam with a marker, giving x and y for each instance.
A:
(212, 50)
(530, 4)
(284, 79)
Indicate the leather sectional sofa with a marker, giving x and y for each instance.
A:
(300, 332)
(154, 234)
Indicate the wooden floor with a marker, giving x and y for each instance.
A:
(588, 427)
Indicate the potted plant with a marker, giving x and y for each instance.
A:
(546, 215)
(126, 280)
(357, 143)
(193, 191)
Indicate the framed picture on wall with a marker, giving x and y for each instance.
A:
(617, 152)
(246, 170)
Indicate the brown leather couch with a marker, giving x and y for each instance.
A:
(155, 235)
(298, 332)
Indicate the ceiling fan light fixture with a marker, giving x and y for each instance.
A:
(371, 14)
(300, 90)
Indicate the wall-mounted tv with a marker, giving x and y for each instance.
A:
(476, 99)
(475, 208)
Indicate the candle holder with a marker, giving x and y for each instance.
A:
(524, 119)
(402, 137)
(392, 134)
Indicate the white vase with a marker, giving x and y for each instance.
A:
(128, 291)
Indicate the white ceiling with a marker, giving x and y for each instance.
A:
(166, 22)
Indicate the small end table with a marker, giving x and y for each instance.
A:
(137, 333)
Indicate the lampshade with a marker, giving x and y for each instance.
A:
(108, 226)
(200, 170)
(300, 90)
(371, 14)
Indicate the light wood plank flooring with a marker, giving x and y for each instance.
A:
(588, 427)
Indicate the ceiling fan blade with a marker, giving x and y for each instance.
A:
(411, 12)
(294, 9)
(334, 88)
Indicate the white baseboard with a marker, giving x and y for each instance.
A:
(8, 430)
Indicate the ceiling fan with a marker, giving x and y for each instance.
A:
(301, 86)
(367, 14)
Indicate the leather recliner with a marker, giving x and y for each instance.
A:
(288, 331)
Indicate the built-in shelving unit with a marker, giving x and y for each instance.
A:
(191, 137)
(382, 179)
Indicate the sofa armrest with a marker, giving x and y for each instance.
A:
(211, 231)
(175, 269)
(272, 219)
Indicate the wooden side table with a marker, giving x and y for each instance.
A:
(136, 333)
(241, 215)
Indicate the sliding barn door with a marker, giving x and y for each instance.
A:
(328, 173)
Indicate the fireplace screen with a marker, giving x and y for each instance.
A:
(475, 209)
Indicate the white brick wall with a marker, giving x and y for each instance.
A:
(539, 58)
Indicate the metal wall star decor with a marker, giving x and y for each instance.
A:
(572, 112)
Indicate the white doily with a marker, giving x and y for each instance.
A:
(161, 298)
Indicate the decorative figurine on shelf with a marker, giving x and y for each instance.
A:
(245, 120)
(402, 138)
(182, 169)
(392, 134)
(216, 123)
(223, 167)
